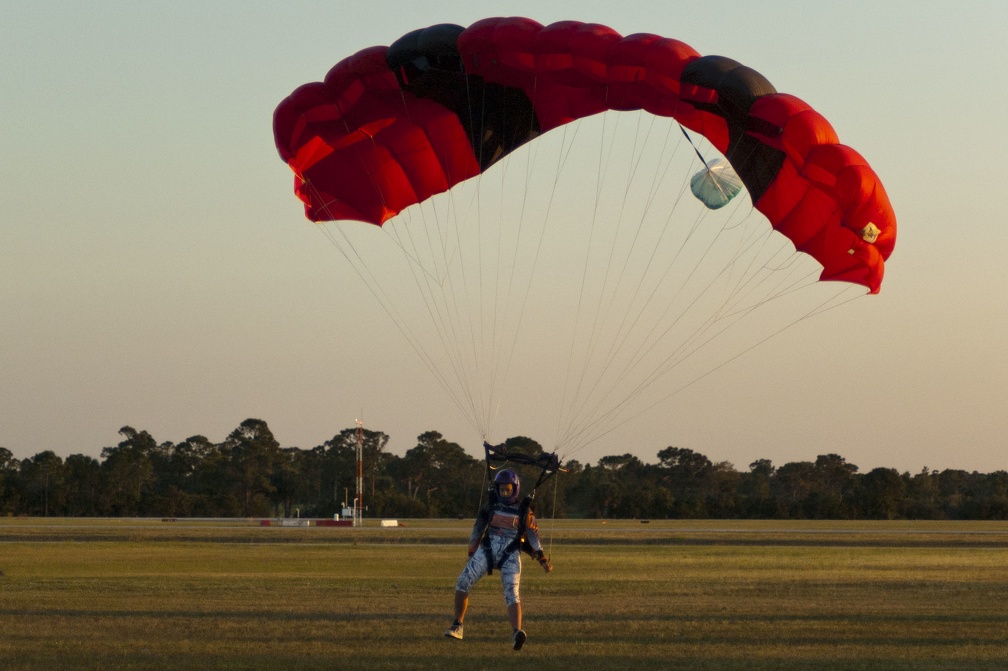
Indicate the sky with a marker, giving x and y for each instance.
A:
(156, 270)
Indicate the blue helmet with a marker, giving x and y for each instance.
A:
(507, 477)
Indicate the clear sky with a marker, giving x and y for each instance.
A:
(156, 270)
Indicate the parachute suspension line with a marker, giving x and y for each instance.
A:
(437, 302)
(674, 360)
(449, 320)
(600, 423)
(352, 256)
(495, 348)
(461, 313)
(355, 260)
(652, 190)
(599, 176)
(708, 332)
(507, 351)
(414, 262)
(459, 306)
(438, 299)
(671, 361)
(446, 313)
(747, 277)
(504, 327)
(652, 193)
(594, 334)
(476, 339)
(632, 166)
(556, 486)
(597, 417)
(733, 289)
(754, 277)
(750, 240)
(465, 313)
(437, 286)
(619, 340)
(662, 280)
(500, 309)
(580, 302)
(623, 331)
(824, 306)
(562, 156)
(656, 185)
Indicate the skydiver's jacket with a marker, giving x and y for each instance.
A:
(514, 522)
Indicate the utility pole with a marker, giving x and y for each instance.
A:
(359, 500)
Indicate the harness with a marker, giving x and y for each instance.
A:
(548, 463)
(519, 542)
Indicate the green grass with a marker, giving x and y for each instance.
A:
(136, 594)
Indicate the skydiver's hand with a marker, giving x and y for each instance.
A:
(545, 564)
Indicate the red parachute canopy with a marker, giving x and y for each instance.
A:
(392, 126)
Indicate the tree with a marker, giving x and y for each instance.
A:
(42, 478)
(319, 497)
(286, 481)
(249, 474)
(792, 485)
(687, 475)
(882, 493)
(685, 462)
(252, 454)
(338, 466)
(626, 487)
(440, 474)
(722, 490)
(594, 493)
(203, 473)
(623, 463)
(923, 496)
(955, 489)
(994, 505)
(756, 499)
(127, 471)
(9, 467)
(834, 485)
(83, 478)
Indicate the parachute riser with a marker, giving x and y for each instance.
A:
(549, 464)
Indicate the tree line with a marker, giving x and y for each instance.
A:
(250, 475)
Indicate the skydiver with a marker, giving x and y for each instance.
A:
(503, 528)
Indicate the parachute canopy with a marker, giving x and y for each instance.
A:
(391, 126)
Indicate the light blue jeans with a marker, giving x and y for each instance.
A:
(510, 571)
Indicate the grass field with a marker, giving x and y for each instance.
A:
(146, 594)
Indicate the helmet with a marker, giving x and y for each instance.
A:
(507, 477)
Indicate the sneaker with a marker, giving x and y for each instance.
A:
(518, 639)
(454, 631)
